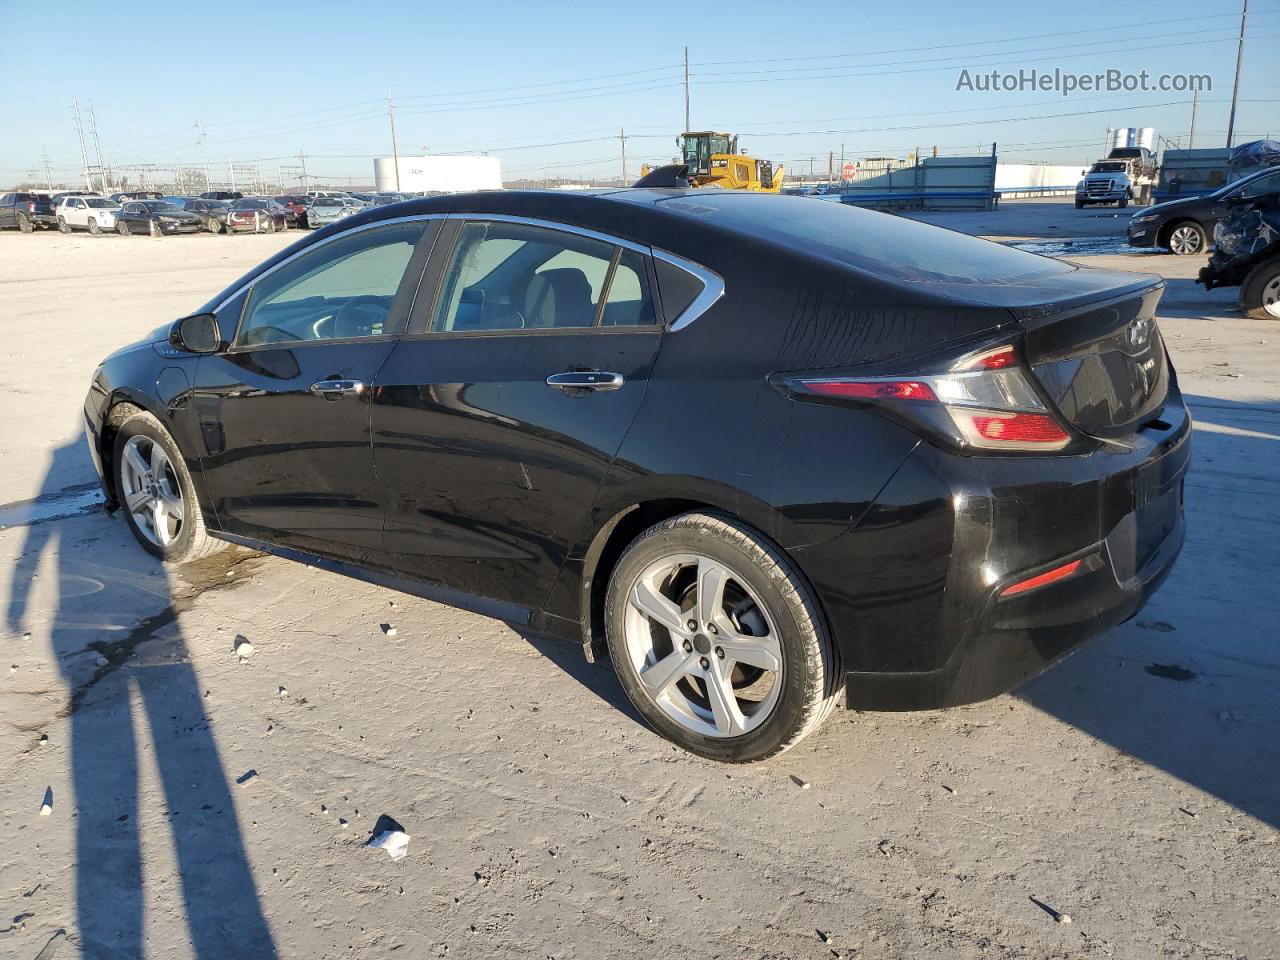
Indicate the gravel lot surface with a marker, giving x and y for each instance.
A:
(208, 805)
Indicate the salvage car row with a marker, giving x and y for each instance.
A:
(156, 214)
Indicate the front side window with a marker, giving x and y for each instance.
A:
(344, 289)
(1256, 188)
(511, 276)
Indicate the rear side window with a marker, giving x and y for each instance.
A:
(515, 276)
(881, 245)
(678, 288)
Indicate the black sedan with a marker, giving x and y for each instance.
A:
(765, 452)
(155, 217)
(1184, 227)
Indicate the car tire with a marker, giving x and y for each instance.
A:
(24, 224)
(122, 228)
(63, 226)
(94, 229)
(150, 473)
(271, 225)
(1260, 291)
(1079, 204)
(1122, 202)
(1186, 239)
(710, 702)
(215, 226)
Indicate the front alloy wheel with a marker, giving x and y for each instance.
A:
(154, 487)
(1186, 240)
(151, 492)
(716, 638)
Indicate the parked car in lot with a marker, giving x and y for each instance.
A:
(92, 213)
(154, 217)
(1247, 254)
(382, 199)
(221, 195)
(1185, 226)
(295, 207)
(26, 211)
(766, 451)
(212, 213)
(258, 214)
(326, 210)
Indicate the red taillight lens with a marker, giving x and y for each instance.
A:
(986, 401)
(872, 389)
(1020, 428)
(1042, 579)
(31, 206)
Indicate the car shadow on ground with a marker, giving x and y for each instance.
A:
(1192, 684)
(117, 641)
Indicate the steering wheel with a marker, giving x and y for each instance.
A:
(352, 313)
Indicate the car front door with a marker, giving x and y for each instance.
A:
(496, 418)
(283, 412)
(74, 212)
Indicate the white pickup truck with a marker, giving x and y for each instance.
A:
(94, 214)
(1127, 173)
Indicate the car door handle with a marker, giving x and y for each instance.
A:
(586, 380)
(337, 389)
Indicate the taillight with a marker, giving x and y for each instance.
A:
(31, 206)
(984, 402)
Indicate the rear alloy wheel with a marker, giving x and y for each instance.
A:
(271, 225)
(1260, 292)
(1186, 240)
(24, 224)
(122, 228)
(215, 225)
(94, 230)
(155, 489)
(63, 226)
(717, 640)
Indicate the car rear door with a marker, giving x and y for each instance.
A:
(496, 418)
(283, 413)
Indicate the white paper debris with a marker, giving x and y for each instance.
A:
(395, 842)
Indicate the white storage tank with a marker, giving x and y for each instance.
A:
(438, 173)
(1147, 138)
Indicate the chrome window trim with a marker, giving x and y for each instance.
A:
(712, 288)
(317, 245)
(553, 225)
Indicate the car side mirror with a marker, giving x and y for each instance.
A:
(196, 334)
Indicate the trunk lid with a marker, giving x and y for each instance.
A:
(1102, 361)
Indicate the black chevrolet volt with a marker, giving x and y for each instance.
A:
(766, 453)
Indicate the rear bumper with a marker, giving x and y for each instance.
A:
(913, 593)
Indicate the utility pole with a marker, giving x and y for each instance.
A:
(231, 169)
(97, 148)
(48, 175)
(204, 152)
(84, 151)
(622, 138)
(1235, 87)
(686, 89)
(395, 151)
(1191, 140)
(302, 159)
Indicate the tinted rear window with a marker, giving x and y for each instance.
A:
(879, 244)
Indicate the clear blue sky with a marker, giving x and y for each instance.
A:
(518, 79)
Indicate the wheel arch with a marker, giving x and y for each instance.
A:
(613, 537)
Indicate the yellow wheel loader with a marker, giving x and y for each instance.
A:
(712, 159)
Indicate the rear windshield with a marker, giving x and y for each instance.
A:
(879, 244)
